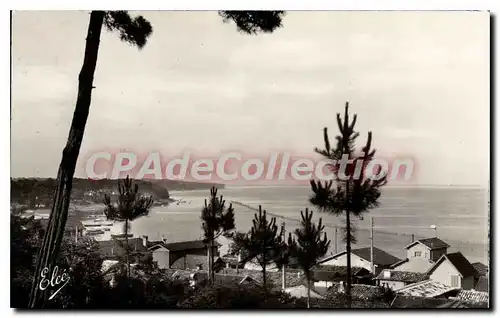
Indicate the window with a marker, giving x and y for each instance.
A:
(455, 281)
(418, 254)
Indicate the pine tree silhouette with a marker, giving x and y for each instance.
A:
(130, 206)
(309, 245)
(354, 193)
(217, 220)
(263, 242)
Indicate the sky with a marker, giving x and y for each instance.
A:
(418, 80)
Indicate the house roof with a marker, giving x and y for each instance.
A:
(458, 261)
(402, 276)
(380, 257)
(332, 273)
(399, 263)
(107, 264)
(482, 284)
(329, 303)
(401, 302)
(122, 235)
(361, 291)
(190, 262)
(225, 279)
(358, 291)
(431, 242)
(480, 268)
(454, 304)
(116, 248)
(180, 246)
(187, 245)
(473, 296)
(293, 278)
(426, 288)
(178, 274)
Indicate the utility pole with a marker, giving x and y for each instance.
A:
(371, 247)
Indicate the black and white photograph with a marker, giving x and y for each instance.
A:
(256, 160)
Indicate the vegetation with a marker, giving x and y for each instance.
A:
(146, 287)
(217, 220)
(310, 245)
(262, 243)
(239, 297)
(353, 193)
(32, 192)
(86, 284)
(25, 233)
(131, 205)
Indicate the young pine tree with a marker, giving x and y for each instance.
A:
(309, 245)
(217, 220)
(130, 206)
(263, 242)
(354, 193)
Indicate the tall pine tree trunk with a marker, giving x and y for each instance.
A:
(212, 273)
(210, 260)
(127, 250)
(308, 291)
(264, 274)
(53, 236)
(348, 251)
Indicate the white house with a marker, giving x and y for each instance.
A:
(453, 270)
(421, 255)
(361, 257)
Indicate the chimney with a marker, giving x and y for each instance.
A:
(387, 274)
(145, 240)
(163, 239)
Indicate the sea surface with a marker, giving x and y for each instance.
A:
(460, 216)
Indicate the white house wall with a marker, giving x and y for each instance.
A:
(443, 273)
(425, 252)
(417, 265)
(162, 257)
